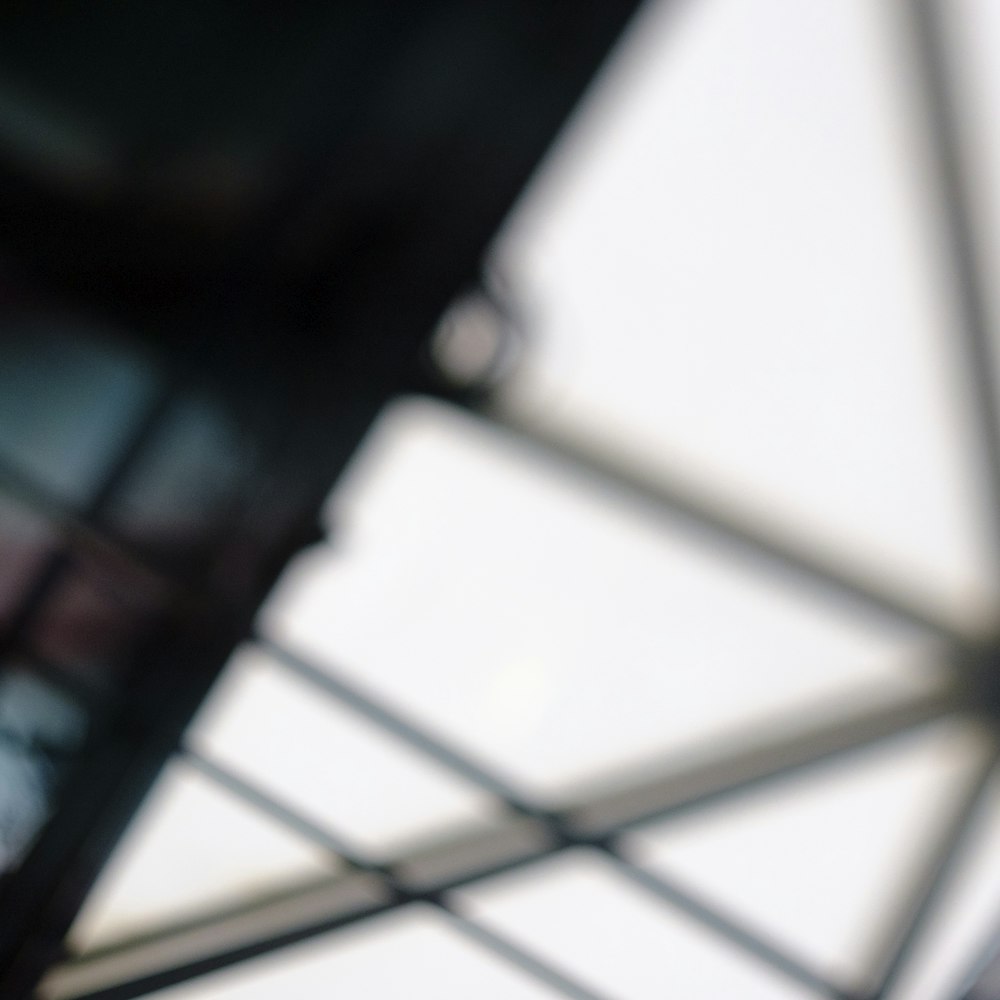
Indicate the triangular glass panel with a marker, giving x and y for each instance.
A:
(814, 862)
(580, 915)
(192, 848)
(731, 265)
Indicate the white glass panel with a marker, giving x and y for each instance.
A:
(322, 759)
(968, 914)
(576, 912)
(732, 274)
(191, 848)
(555, 630)
(413, 953)
(816, 862)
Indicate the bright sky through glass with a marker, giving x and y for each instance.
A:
(732, 264)
(813, 861)
(554, 630)
(729, 274)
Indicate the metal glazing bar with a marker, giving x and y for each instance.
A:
(249, 793)
(913, 912)
(754, 944)
(516, 955)
(213, 945)
(671, 498)
(395, 723)
(400, 891)
(936, 80)
(766, 757)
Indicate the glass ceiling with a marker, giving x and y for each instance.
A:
(730, 277)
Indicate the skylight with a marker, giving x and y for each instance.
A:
(635, 680)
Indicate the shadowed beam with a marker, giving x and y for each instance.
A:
(935, 78)
(908, 923)
(771, 755)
